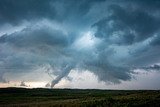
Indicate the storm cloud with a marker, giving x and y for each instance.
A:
(108, 38)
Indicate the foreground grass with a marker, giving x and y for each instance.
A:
(21, 97)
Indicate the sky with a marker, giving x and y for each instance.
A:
(95, 44)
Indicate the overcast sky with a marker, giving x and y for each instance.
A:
(106, 44)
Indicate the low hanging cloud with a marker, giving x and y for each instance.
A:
(23, 84)
(60, 37)
(155, 67)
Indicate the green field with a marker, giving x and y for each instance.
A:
(21, 97)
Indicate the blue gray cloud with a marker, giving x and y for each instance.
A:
(108, 38)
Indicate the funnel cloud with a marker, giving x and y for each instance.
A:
(110, 39)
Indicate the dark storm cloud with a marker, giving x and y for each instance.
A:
(61, 36)
(34, 47)
(153, 67)
(107, 72)
(41, 41)
(35, 38)
(15, 11)
(149, 4)
(135, 26)
(125, 27)
(156, 40)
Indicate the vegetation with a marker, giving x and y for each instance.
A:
(21, 97)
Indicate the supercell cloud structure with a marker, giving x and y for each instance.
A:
(110, 38)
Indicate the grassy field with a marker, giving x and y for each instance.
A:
(21, 97)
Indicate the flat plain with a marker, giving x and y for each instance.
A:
(39, 97)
